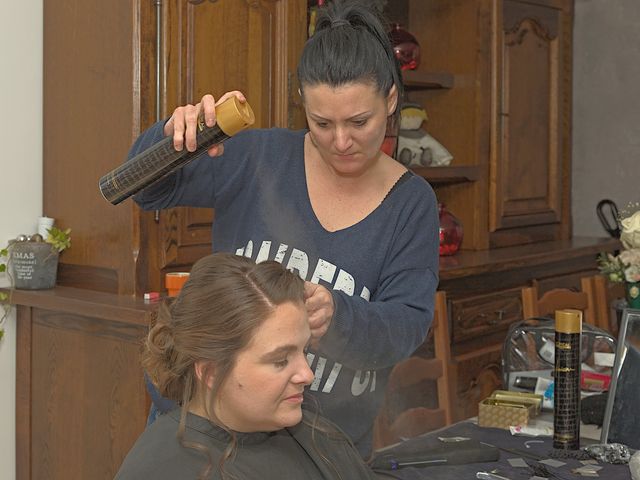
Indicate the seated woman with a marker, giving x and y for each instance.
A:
(230, 350)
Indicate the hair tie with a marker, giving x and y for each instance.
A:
(339, 22)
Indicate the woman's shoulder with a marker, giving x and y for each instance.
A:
(419, 182)
(271, 134)
(412, 188)
(258, 142)
(158, 453)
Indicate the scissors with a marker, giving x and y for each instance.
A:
(608, 214)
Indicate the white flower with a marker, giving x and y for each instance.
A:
(630, 257)
(630, 236)
(632, 273)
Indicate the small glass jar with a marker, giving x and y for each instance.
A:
(173, 282)
(450, 231)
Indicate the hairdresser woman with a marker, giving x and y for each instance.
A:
(329, 204)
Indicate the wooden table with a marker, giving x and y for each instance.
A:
(511, 447)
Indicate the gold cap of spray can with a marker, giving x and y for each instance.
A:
(233, 116)
(569, 321)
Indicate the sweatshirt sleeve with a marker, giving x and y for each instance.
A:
(383, 331)
(191, 185)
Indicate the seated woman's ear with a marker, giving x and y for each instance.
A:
(205, 370)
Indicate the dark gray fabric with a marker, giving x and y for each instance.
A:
(624, 426)
(286, 454)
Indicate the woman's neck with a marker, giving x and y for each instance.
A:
(198, 408)
(321, 171)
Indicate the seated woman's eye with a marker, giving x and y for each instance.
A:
(360, 123)
(281, 363)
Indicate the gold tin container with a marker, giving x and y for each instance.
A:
(502, 414)
(503, 409)
(532, 400)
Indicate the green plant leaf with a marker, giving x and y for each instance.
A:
(59, 239)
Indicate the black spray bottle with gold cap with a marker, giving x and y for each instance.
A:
(566, 395)
(162, 159)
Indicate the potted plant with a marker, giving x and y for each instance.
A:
(31, 263)
(34, 262)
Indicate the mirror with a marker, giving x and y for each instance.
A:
(622, 414)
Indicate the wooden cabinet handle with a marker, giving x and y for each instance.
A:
(495, 321)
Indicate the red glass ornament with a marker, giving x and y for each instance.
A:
(450, 231)
(405, 47)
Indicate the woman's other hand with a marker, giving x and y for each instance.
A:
(319, 304)
(183, 124)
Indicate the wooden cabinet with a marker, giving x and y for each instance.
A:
(530, 164)
(476, 316)
(508, 113)
(507, 119)
(215, 47)
(110, 73)
(483, 293)
(504, 114)
(80, 396)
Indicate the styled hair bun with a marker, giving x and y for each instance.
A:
(160, 356)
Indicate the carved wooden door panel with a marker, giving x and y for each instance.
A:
(530, 161)
(214, 47)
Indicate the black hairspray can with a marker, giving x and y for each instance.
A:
(566, 395)
(161, 159)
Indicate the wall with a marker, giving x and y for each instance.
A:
(20, 172)
(606, 111)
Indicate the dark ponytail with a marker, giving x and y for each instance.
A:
(350, 44)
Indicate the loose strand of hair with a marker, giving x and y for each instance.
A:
(182, 427)
(315, 427)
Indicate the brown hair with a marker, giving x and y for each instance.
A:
(226, 298)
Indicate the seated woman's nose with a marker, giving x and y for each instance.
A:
(304, 374)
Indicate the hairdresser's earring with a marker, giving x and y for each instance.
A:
(299, 93)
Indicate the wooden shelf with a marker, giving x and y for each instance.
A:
(417, 80)
(445, 175)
